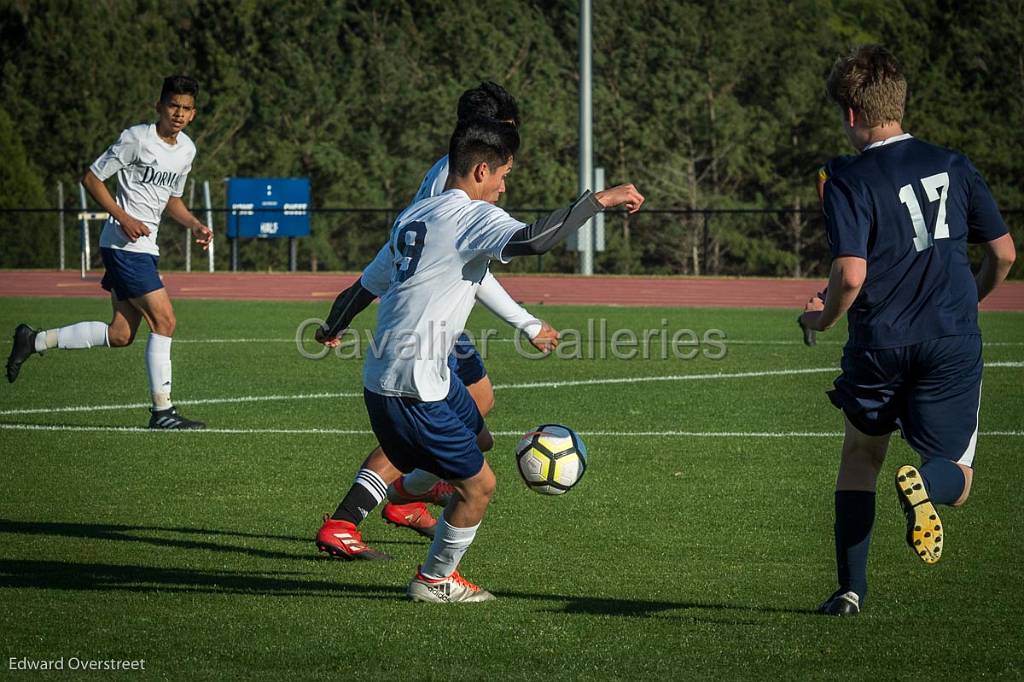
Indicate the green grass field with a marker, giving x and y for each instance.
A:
(690, 550)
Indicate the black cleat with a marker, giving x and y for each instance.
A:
(841, 604)
(170, 419)
(924, 528)
(24, 346)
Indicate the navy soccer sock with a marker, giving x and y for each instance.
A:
(855, 515)
(943, 480)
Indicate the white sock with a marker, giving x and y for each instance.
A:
(158, 364)
(449, 544)
(374, 484)
(45, 340)
(418, 482)
(73, 337)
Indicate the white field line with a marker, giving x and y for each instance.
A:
(205, 401)
(726, 341)
(367, 432)
(322, 396)
(668, 377)
(497, 387)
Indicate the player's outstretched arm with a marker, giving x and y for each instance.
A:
(621, 195)
(999, 256)
(552, 229)
(347, 305)
(133, 228)
(494, 297)
(177, 209)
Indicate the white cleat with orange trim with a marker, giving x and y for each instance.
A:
(450, 590)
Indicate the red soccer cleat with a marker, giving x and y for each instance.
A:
(341, 540)
(440, 493)
(415, 516)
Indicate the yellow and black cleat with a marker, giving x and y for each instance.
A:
(924, 528)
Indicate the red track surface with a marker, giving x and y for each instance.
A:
(691, 292)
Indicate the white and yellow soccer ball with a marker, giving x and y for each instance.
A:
(551, 459)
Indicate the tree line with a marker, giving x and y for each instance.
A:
(704, 105)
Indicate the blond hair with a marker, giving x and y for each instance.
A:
(870, 81)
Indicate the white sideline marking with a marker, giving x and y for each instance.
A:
(315, 396)
(669, 377)
(537, 384)
(727, 341)
(291, 340)
(367, 432)
(206, 401)
(762, 342)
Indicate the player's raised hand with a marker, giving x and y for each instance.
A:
(621, 195)
(321, 336)
(546, 339)
(203, 235)
(133, 228)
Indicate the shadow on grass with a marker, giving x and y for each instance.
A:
(70, 575)
(640, 608)
(146, 535)
(76, 576)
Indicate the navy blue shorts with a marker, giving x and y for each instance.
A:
(930, 391)
(130, 274)
(466, 362)
(437, 436)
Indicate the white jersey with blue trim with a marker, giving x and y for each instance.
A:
(438, 253)
(377, 275)
(434, 181)
(149, 172)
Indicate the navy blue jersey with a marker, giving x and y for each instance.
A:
(834, 165)
(910, 208)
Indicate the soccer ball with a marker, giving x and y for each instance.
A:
(551, 459)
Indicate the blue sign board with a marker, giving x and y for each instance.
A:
(268, 207)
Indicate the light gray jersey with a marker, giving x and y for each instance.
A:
(434, 180)
(377, 275)
(438, 252)
(149, 172)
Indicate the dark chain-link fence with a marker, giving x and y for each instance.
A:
(726, 242)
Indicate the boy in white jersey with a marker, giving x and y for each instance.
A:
(151, 162)
(338, 536)
(441, 248)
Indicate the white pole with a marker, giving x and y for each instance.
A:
(209, 218)
(188, 233)
(599, 218)
(60, 214)
(586, 134)
(84, 244)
